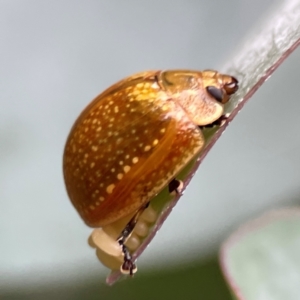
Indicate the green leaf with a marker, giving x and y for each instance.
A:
(264, 50)
(261, 260)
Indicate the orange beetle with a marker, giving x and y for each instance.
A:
(131, 142)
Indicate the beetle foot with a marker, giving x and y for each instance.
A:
(218, 122)
(175, 186)
(128, 267)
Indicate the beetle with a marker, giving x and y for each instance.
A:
(130, 143)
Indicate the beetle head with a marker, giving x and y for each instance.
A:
(200, 94)
(219, 86)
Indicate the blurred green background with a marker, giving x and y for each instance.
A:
(55, 57)
(201, 280)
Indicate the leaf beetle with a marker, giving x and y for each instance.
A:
(129, 144)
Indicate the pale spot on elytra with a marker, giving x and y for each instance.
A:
(92, 165)
(147, 148)
(120, 176)
(135, 160)
(126, 169)
(110, 188)
(94, 148)
(155, 142)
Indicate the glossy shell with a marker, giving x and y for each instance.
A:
(132, 140)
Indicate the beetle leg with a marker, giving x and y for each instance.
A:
(175, 186)
(218, 122)
(128, 266)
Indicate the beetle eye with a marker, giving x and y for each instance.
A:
(231, 87)
(215, 92)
